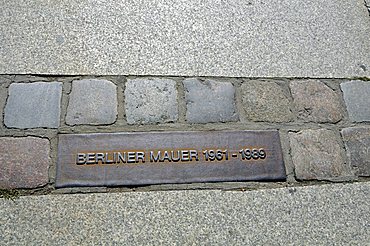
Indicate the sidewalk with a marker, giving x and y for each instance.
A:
(312, 215)
(254, 38)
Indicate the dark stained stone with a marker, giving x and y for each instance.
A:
(357, 141)
(356, 96)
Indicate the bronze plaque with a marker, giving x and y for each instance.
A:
(141, 158)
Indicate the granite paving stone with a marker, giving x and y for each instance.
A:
(24, 162)
(254, 38)
(266, 101)
(357, 141)
(32, 105)
(356, 96)
(331, 214)
(92, 101)
(317, 155)
(150, 101)
(209, 101)
(316, 102)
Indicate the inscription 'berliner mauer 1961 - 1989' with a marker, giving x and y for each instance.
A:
(112, 159)
(167, 156)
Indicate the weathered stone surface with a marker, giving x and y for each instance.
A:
(92, 101)
(356, 96)
(266, 101)
(209, 101)
(331, 214)
(317, 154)
(24, 162)
(357, 141)
(316, 102)
(32, 105)
(151, 101)
(254, 38)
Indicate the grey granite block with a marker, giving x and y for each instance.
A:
(331, 214)
(266, 101)
(317, 154)
(357, 141)
(316, 102)
(24, 162)
(356, 96)
(254, 38)
(32, 105)
(209, 101)
(150, 101)
(92, 101)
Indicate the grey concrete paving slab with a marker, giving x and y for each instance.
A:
(254, 38)
(333, 214)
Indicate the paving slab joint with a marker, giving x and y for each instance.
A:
(10, 194)
(181, 102)
(121, 109)
(367, 5)
(6, 87)
(287, 156)
(66, 91)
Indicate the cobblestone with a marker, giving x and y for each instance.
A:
(266, 101)
(209, 101)
(317, 154)
(357, 141)
(150, 101)
(32, 105)
(24, 162)
(356, 96)
(316, 102)
(92, 101)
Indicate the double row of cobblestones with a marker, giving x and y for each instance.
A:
(151, 101)
(322, 123)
